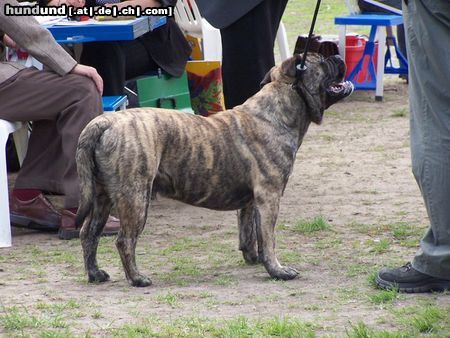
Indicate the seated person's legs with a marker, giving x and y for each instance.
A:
(60, 108)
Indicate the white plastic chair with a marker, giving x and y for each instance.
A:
(20, 135)
(190, 21)
(283, 42)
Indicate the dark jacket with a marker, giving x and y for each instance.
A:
(166, 44)
(222, 13)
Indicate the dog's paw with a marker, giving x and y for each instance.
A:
(98, 276)
(285, 273)
(141, 281)
(251, 257)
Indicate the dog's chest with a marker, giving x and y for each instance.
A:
(209, 191)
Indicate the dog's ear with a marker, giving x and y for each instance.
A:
(289, 66)
(267, 78)
(313, 103)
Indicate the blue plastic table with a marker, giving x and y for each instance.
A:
(378, 22)
(80, 33)
(113, 103)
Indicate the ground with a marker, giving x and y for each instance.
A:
(351, 206)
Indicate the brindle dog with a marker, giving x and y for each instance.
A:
(237, 159)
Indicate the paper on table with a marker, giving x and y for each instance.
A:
(66, 22)
(48, 20)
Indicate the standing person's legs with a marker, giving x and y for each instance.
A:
(109, 60)
(366, 7)
(117, 62)
(61, 107)
(427, 30)
(248, 51)
(401, 41)
(426, 24)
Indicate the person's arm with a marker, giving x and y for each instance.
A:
(27, 33)
(38, 41)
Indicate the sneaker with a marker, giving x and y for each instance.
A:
(408, 279)
(69, 230)
(38, 213)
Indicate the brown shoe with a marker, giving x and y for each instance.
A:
(68, 230)
(37, 213)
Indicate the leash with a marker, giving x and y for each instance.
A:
(301, 67)
(303, 92)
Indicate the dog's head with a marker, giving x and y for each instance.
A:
(320, 85)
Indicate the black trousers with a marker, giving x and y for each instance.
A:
(117, 62)
(247, 51)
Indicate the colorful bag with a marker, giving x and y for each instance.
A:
(195, 44)
(205, 86)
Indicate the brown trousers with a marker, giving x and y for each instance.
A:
(60, 107)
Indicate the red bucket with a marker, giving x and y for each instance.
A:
(354, 49)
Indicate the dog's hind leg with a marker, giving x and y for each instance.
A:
(133, 214)
(265, 218)
(90, 236)
(247, 234)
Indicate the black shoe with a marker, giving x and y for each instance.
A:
(408, 279)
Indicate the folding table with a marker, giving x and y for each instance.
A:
(378, 22)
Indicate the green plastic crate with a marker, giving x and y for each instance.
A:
(164, 91)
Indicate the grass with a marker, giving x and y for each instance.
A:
(20, 319)
(371, 278)
(379, 246)
(426, 321)
(361, 330)
(298, 15)
(403, 233)
(195, 273)
(318, 223)
(383, 296)
(403, 112)
(226, 280)
(357, 269)
(169, 298)
(17, 319)
(235, 327)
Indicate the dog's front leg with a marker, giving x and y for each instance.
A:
(247, 234)
(265, 218)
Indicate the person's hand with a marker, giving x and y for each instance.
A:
(76, 3)
(8, 42)
(91, 73)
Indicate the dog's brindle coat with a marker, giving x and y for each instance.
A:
(236, 159)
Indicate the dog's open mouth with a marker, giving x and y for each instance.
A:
(338, 90)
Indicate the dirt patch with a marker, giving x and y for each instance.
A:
(354, 171)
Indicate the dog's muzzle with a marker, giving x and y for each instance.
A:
(336, 89)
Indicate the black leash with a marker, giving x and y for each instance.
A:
(301, 67)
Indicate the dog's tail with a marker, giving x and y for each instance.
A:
(86, 166)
